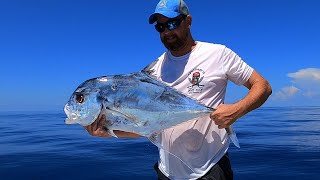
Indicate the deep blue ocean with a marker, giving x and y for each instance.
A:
(276, 143)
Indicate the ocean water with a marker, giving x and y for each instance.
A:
(276, 143)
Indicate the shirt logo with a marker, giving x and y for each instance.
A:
(195, 77)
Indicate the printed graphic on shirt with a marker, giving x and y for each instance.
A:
(195, 77)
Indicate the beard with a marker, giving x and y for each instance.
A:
(175, 43)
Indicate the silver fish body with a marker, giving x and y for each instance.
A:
(134, 103)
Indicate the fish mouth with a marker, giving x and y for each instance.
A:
(73, 117)
(69, 119)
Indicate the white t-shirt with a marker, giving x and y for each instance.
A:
(202, 74)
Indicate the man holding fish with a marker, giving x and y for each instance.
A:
(199, 70)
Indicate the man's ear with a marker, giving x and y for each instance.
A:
(189, 20)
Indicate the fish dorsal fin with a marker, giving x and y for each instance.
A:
(148, 69)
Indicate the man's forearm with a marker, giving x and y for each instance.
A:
(259, 91)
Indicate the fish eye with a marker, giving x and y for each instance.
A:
(79, 98)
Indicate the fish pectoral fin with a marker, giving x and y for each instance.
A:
(111, 133)
(114, 114)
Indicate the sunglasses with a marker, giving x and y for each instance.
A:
(171, 24)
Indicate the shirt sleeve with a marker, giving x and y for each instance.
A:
(235, 68)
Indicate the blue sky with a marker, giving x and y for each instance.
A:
(47, 48)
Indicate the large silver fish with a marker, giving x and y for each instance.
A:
(134, 103)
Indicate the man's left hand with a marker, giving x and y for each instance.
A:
(225, 115)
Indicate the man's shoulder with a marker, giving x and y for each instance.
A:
(211, 45)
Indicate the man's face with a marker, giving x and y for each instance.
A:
(176, 39)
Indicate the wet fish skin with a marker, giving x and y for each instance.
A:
(134, 103)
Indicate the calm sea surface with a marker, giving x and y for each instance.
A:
(276, 143)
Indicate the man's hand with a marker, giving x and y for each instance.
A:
(225, 115)
(259, 91)
(97, 129)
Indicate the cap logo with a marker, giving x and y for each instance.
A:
(163, 3)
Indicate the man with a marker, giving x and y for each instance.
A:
(197, 149)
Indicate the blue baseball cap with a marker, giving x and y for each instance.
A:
(170, 9)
